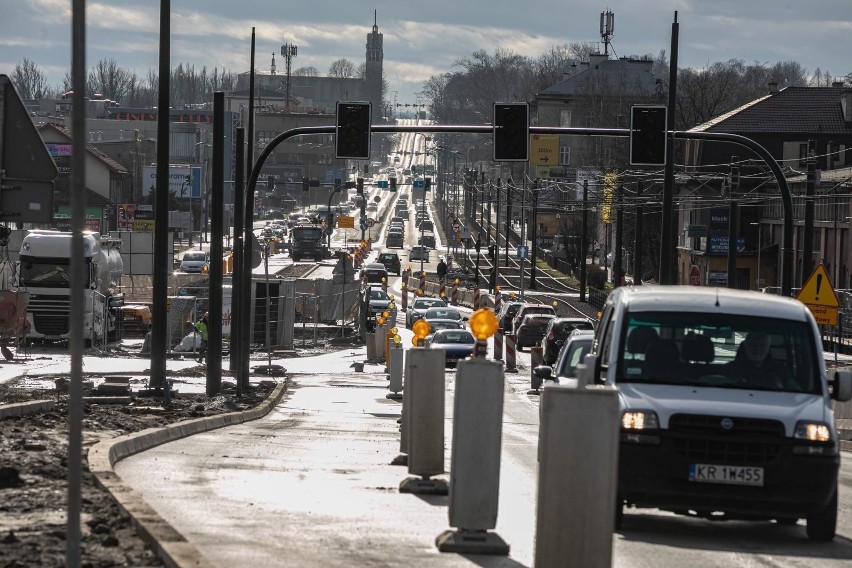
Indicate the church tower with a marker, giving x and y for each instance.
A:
(373, 76)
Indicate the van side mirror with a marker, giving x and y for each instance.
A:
(841, 387)
(544, 372)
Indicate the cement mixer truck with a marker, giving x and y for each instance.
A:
(44, 271)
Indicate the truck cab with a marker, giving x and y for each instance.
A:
(307, 241)
(725, 404)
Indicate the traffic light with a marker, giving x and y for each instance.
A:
(648, 136)
(306, 184)
(392, 183)
(366, 169)
(413, 169)
(427, 184)
(511, 132)
(359, 184)
(270, 183)
(352, 135)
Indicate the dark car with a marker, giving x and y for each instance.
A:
(374, 273)
(531, 309)
(457, 343)
(507, 313)
(557, 331)
(427, 240)
(531, 330)
(391, 262)
(574, 350)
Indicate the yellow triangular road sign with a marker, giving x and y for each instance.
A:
(818, 290)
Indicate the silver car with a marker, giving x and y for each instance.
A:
(419, 252)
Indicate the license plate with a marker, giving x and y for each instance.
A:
(726, 474)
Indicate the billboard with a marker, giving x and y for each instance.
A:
(177, 180)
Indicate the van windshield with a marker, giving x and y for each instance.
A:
(719, 350)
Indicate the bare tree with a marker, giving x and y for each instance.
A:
(29, 80)
(307, 71)
(107, 78)
(342, 69)
(551, 65)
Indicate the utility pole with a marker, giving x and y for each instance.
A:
(508, 217)
(732, 223)
(637, 247)
(496, 258)
(534, 220)
(523, 234)
(584, 240)
(667, 244)
(619, 228)
(810, 196)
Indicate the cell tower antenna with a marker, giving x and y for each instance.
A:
(607, 29)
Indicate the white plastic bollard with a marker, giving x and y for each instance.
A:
(475, 461)
(371, 346)
(423, 418)
(577, 477)
(381, 337)
(396, 358)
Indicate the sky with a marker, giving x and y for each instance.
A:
(422, 39)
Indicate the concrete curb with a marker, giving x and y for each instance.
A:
(168, 544)
(24, 408)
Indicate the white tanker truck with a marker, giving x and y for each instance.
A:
(44, 271)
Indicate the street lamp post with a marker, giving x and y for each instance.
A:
(759, 235)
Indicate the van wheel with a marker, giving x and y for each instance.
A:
(619, 513)
(823, 524)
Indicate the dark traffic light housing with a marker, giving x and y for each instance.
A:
(352, 134)
(511, 132)
(359, 184)
(648, 135)
(306, 184)
(427, 184)
(270, 183)
(392, 183)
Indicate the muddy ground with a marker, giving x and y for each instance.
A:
(33, 475)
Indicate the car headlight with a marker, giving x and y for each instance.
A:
(813, 439)
(640, 427)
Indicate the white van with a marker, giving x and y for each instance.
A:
(725, 404)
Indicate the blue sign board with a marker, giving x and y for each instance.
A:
(718, 244)
(523, 251)
(419, 184)
(382, 184)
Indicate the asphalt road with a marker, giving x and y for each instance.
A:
(311, 485)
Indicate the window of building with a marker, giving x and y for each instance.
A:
(565, 155)
(564, 118)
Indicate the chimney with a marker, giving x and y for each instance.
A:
(596, 58)
(584, 65)
(773, 87)
(846, 105)
(570, 72)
